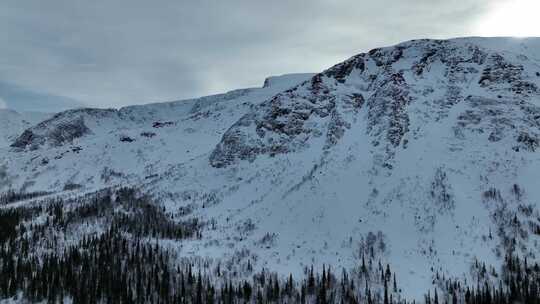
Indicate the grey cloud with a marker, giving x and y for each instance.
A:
(23, 99)
(112, 53)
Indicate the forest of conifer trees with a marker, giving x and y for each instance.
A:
(125, 263)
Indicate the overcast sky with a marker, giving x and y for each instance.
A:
(110, 53)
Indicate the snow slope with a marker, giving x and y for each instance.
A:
(423, 155)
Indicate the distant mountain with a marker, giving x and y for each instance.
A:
(23, 99)
(416, 163)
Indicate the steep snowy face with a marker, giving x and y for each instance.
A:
(427, 147)
(402, 88)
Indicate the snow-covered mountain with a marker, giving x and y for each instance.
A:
(423, 155)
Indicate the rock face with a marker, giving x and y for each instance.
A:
(58, 135)
(60, 129)
(438, 74)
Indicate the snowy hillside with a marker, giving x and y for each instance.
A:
(87, 146)
(422, 155)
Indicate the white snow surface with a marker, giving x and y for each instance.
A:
(401, 144)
